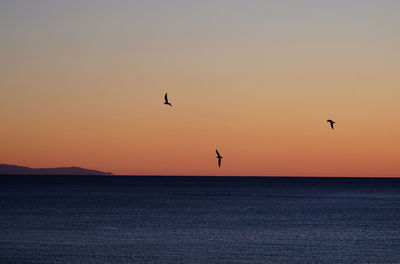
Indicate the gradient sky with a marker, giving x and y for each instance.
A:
(82, 83)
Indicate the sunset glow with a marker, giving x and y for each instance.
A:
(82, 84)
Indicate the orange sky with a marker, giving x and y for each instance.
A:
(83, 84)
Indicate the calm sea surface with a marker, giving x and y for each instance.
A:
(46, 219)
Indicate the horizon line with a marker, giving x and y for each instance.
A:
(249, 176)
(210, 176)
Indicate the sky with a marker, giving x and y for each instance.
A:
(82, 84)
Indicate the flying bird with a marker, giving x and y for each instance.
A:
(166, 100)
(331, 122)
(219, 157)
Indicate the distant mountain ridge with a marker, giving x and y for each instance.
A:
(6, 169)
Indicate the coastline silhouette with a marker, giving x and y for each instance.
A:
(6, 169)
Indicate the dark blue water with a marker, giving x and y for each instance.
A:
(198, 220)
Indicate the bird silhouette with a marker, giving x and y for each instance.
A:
(166, 100)
(331, 122)
(219, 157)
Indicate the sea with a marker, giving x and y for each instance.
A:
(147, 219)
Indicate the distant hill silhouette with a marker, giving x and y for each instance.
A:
(20, 170)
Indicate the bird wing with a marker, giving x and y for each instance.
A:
(332, 125)
(166, 97)
(218, 153)
(219, 162)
